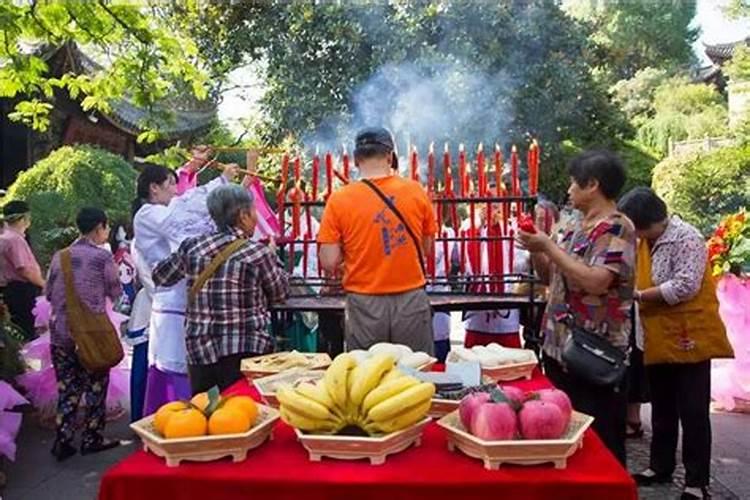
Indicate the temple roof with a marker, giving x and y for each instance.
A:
(722, 52)
(186, 114)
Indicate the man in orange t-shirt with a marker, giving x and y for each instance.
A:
(383, 277)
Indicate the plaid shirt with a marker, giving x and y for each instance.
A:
(230, 313)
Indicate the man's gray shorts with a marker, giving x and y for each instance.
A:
(402, 318)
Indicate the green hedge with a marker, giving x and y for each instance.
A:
(703, 187)
(63, 182)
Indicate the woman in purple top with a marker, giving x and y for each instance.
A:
(95, 279)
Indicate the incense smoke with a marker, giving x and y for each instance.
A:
(422, 102)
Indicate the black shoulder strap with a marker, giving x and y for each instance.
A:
(392, 207)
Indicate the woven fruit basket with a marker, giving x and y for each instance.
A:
(271, 364)
(517, 451)
(510, 372)
(374, 449)
(267, 385)
(206, 448)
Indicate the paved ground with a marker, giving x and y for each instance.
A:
(36, 476)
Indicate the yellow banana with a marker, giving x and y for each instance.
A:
(401, 421)
(387, 390)
(392, 375)
(316, 392)
(368, 375)
(308, 424)
(335, 379)
(300, 404)
(401, 401)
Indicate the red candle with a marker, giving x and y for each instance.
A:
(480, 171)
(511, 251)
(462, 170)
(281, 198)
(501, 266)
(431, 170)
(297, 169)
(414, 164)
(329, 174)
(472, 214)
(447, 175)
(515, 179)
(308, 237)
(498, 170)
(315, 175)
(345, 161)
(296, 196)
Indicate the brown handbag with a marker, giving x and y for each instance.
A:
(98, 346)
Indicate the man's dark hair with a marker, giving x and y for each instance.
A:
(602, 166)
(89, 218)
(643, 206)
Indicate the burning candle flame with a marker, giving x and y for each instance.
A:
(480, 148)
(432, 147)
(446, 147)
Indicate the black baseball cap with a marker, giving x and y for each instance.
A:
(375, 138)
(15, 209)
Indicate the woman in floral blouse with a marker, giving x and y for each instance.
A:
(683, 332)
(591, 271)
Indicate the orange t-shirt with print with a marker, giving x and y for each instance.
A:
(379, 255)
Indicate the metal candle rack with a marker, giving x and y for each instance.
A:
(300, 194)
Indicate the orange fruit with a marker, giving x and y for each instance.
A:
(185, 423)
(245, 404)
(228, 421)
(163, 414)
(200, 401)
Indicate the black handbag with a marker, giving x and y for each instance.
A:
(591, 357)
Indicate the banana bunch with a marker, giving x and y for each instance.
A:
(373, 395)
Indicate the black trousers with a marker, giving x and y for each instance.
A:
(223, 373)
(681, 394)
(20, 297)
(331, 328)
(607, 405)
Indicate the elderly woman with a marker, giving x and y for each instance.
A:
(95, 278)
(591, 272)
(231, 281)
(683, 332)
(161, 222)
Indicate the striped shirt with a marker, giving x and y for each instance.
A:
(230, 313)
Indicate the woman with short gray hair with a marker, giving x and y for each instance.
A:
(231, 281)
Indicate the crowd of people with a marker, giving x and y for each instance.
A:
(626, 272)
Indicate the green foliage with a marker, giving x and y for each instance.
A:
(148, 61)
(683, 110)
(68, 179)
(639, 162)
(702, 187)
(635, 96)
(632, 35)
(738, 68)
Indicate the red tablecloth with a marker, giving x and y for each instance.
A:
(281, 470)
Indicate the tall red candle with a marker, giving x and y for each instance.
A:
(462, 170)
(514, 179)
(296, 196)
(501, 263)
(345, 162)
(447, 175)
(329, 174)
(481, 180)
(297, 169)
(308, 236)
(315, 175)
(431, 170)
(498, 170)
(439, 217)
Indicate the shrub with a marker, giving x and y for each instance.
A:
(703, 187)
(63, 182)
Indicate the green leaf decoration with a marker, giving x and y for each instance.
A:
(214, 398)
